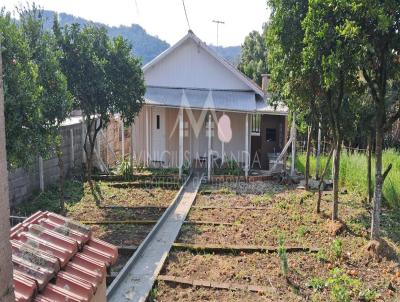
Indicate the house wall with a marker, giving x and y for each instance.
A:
(195, 141)
(190, 66)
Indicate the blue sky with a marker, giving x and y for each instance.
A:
(166, 18)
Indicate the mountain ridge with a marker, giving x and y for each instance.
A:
(145, 46)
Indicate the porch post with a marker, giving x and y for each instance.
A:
(222, 146)
(147, 136)
(209, 148)
(293, 134)
(246, 160)
(180, 142)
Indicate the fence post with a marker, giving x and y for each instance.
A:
(41, 178)
(71, 132)
(83, 141)
(122, 139)
(293, 134)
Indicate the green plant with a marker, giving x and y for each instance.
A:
(283, 255)
(337, 248)
(342, 286)
(302, 231)
(368, 295)
(125, 169)
(317, 284)
(321, 256)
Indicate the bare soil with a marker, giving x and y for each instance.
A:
(343, 265)
(166, 292)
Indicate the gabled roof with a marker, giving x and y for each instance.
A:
(191, 36)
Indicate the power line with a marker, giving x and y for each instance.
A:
(218, 22)
(184, 8)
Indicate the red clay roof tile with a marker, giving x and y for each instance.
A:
(56, 259)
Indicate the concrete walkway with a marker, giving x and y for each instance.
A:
(136, 279)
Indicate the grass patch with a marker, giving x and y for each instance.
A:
(353, 173)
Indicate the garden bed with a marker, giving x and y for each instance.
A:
(264, 215)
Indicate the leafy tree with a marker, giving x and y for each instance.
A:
(253, 58)
(6, 272)
(290, 81)
(330, 53)
(103, 77)
(55, 98)
(379, 25)
(22, 91)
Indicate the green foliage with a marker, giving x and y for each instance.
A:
(342, 286)
(253, 59)
(37, 100)
(368, 295)
(230, 167)
(337, 248)
(353, 173)
(103, 76)
(125, 169)
(321, 255)
(283, 256)
(317, 284)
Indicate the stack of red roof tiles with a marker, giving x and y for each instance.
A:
(56, 259)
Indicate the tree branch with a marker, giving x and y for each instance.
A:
(386, 172)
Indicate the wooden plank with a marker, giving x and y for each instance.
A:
(145, 222)
(208, 222)
(217, 248)
(230, 208)
(133, 207)
(213, 284)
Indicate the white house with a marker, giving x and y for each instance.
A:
(198, 108)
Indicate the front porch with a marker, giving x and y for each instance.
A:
(207, 139)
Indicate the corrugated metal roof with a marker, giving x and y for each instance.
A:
(48, 247)
(264, 107)
(201, 99)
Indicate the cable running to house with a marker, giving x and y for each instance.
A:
(187, 19)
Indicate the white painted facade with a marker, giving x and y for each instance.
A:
(163, 135)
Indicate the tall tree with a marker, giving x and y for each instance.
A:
(6, 267)
(290, 81)
(55, 98)
(22, 104)
(103, 77)
(253, 57)
(379, 23)
(331, 53)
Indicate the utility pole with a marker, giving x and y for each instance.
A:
(218, 22)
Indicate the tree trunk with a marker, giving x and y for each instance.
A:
(318, 161)
(369, 172)
(61, 168)
(336, 172)
(321, 181)
(308, 152)
(376, 211)
(6, 268)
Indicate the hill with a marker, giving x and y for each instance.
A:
(145, 45)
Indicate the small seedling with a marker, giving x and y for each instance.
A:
(368, 295)
(283, 256)
(317, 284)
(337, 248)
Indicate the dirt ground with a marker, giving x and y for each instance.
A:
(342, 270)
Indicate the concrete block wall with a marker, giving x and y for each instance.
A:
(23, 183)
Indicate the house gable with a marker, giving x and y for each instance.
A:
(191, 64)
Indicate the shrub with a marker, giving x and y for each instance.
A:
(125, 169)
(342, 286)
